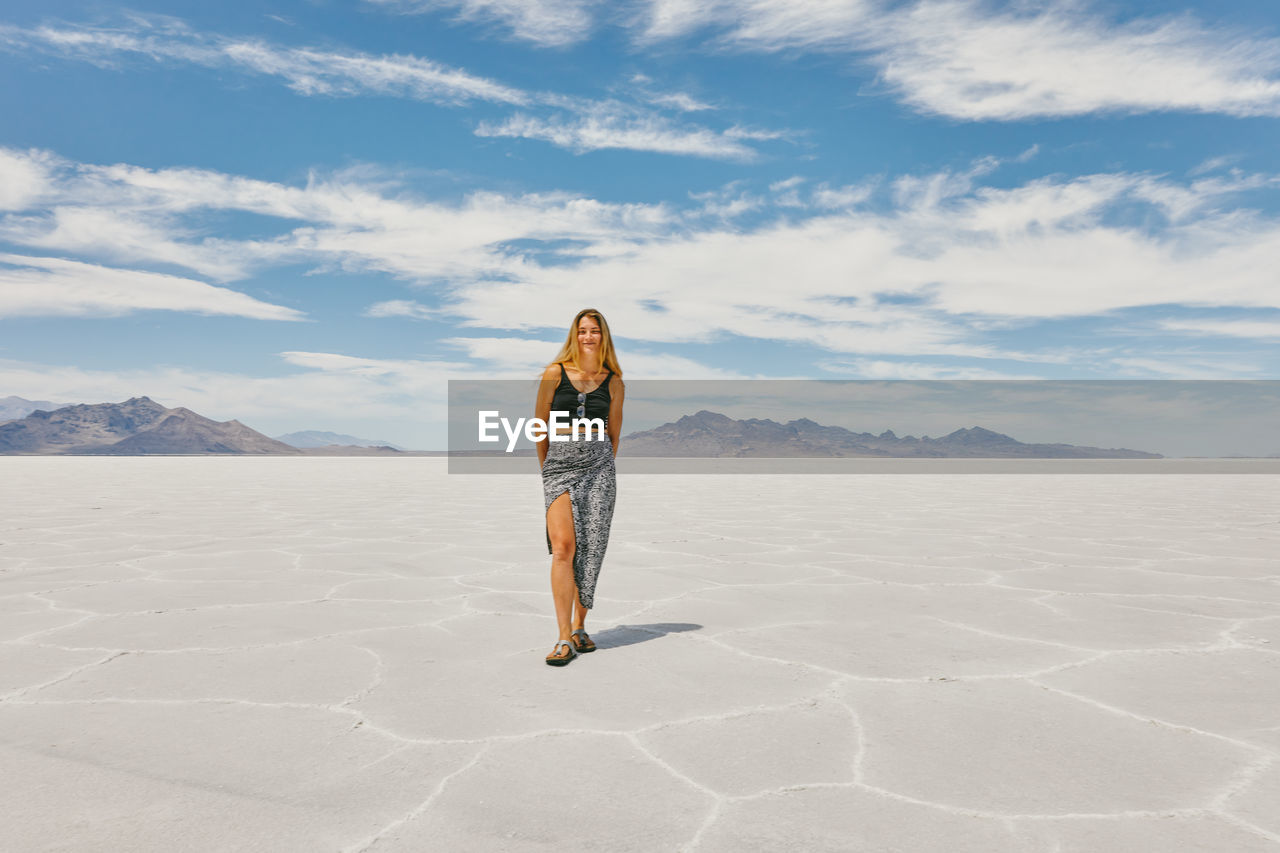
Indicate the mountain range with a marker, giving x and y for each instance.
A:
(140, 426)
(710, 434)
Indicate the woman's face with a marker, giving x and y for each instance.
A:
(588, 335)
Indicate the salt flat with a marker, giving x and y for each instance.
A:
(346, 654)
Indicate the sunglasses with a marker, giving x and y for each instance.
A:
(582, 404)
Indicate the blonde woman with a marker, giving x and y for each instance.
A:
(578, 476)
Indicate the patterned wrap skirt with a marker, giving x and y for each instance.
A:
(585, 469)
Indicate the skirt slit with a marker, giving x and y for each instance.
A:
(572, 512)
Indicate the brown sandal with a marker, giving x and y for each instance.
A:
(582, 644)
(557, 659)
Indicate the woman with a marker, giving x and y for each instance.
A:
(578, 476)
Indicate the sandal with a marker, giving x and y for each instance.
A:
(557, 659)
(582, 644)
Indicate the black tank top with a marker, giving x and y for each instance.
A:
(597, 402)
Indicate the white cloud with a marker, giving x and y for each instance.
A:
(849, 195)
(519, 357)
(767, 25)
(726, 203)
(958, 58)
(308, 71)
(681, 101)
(924, 265)
(546, 23)
(611, 125)
(119, 236)
(24, 176)
(948, 258)
(879, 369)
(576, 123)
(676, 100)
(758, 134)
(152, 216)
(402, 308)
(1214, 164)
(425, 371)
(968, 60)
(1225, 328)
(33, 287)
(1183, 366)
(955, 59)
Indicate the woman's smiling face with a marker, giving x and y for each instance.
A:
(588, 334)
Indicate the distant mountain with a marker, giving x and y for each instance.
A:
(319, 438)
(709, 434)
(182, 431)
(17, 407)
(76, 426)
(352, 450)
(138, 426)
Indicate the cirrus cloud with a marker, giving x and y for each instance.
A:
(930, 264)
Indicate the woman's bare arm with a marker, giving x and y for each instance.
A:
(542, 405)
(616, 393)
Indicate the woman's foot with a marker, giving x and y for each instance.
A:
(561, 654)
(581, 642)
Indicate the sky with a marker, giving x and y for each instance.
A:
(312, 215)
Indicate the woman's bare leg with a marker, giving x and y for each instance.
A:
(564, 591)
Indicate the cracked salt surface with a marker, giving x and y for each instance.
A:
(346, 654)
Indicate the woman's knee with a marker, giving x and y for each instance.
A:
(562, 548)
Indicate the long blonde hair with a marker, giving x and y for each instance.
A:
(569, 352)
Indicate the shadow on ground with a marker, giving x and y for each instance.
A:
(627, 635)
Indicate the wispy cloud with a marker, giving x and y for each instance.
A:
(579, 124)
(930, 264)
(1214, 164)
(1225, 328)
(866, 368)
(519, 357)
(547, 23)
(681, 101)
(55, 287)
(613, 125)
(969, 60)
(308, 71)
(1182, 366)
(143, 216)
(402, 308)
(957, 58)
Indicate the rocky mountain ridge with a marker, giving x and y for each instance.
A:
(138, 426)
(711, 434)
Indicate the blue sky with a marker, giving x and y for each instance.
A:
(311, 215)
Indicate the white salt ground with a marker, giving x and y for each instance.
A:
(338, 654)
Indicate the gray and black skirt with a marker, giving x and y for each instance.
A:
(585, 469)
